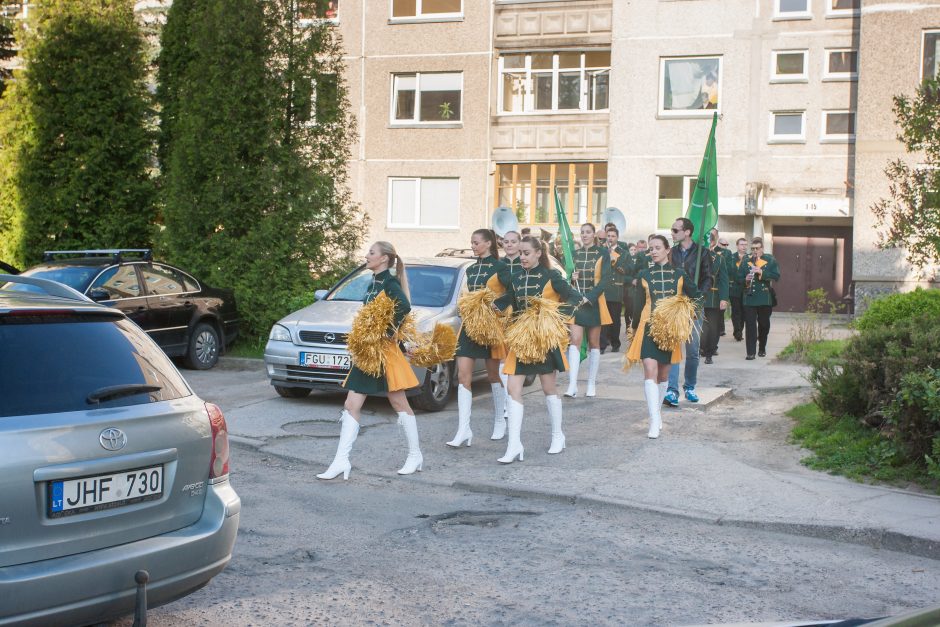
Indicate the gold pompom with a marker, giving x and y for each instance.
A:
(481, 322)
(368, 334)
(434, 348)
(537, 331)
(671, 323)
(408, 330)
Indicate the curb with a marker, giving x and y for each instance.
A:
(875, 538)
(240, 363)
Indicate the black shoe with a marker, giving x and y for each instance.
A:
(749, 357)
(603, 349)
(738, 338)
(715, 354)
(614, 349)
(722, 334)
(708, 359)
(761, 353)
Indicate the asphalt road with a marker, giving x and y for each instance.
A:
(378, 551)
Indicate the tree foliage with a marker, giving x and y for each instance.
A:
(254, 187)
(910, 217)
(75, 167)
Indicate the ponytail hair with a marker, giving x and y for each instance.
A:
(490, 236)
(661, 238)
(395, 265)
(537, 244)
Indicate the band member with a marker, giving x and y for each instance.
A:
(487, 272)
(655, 283)
(737, 291)
(511, 241)
(590, 277)
(756, 275)
(388, 277)
(716, 301)
(536, 280)
(730, 267)
(620, 263)
(727, 259)
(685, 255)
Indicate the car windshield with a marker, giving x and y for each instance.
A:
(430, 286)
(77, 277)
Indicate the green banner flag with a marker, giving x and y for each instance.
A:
(564, 232)
(703, 206)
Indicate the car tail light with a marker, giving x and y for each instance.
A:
(218, 463)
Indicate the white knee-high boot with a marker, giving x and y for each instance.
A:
(554, 414)
(594, 364)
(347, 435)
(574, 364)
(514, 446)
(415, 460)
(464, 402)
(653, 404)
(499, 411)
(505, 379)
(662, 394)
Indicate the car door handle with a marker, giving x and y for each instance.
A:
(141, 308)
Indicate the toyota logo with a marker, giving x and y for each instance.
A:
(330, 338)
(112, 439)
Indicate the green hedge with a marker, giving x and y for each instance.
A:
(888, 310)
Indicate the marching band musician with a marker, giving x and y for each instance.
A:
(756, 274)
(489, 272)
(621, 270)
(737, 290)
(537, 279)
(591, 276)
(716, 300)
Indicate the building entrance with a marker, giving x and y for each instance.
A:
(810, 258)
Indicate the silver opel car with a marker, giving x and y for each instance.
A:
(114, 476)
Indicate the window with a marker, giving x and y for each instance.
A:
(429, 203)
(838, 126)
(930, 67)
(690, 86)
(841, 64)
(529, 189)
(787, 127)
(319, 10)
(544, 82)
(673, 195)
(842, 8)
(431, 9)
(119, 282)
(426, 98)
(325, 98)
(161, 280)
(788, 66)
(793, 9)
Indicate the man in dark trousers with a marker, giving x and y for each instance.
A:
(685, 254)
(737, 291)
(620, 264)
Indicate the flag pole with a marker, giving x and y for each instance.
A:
(698, 260)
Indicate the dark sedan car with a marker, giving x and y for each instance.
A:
(185, 317)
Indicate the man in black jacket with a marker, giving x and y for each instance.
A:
(685, 255)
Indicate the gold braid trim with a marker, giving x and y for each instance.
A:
(434, 348)
(626, 362)
(481, 322)
(671, 324)
(368, 335)
(537, 331)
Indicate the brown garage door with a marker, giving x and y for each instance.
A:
(810, 258)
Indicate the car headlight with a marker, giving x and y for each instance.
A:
(279, 333)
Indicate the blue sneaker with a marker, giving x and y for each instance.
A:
(690, 395)
(671, 399)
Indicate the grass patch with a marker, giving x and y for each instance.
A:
(247, 347)
(844, 446)
(813, 352)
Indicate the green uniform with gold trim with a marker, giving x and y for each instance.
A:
(720, 289)
(543, 282)
(759, 293)
(620, 270)
(514, 265)
(359, 381)
(478, 275)
(589, 263)
(657, 282)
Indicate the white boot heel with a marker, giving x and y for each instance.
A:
(347, 435)
(464, 402)
(554, 414)
(514, 447)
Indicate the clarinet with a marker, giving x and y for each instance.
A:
(749, 279)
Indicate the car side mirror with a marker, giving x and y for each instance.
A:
(320, 294)
(98, 294)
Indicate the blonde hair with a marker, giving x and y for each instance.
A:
(396, 264)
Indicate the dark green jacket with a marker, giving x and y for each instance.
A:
(737, 288)
(759, 292)
(621, 270)
(719, 290)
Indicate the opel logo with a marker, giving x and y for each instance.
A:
(330, 338)
(112, 439)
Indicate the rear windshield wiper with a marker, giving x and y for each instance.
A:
(117, 391)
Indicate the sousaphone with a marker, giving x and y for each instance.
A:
(504, 221)
(612, 214)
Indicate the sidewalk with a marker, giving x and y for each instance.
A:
(725, 462)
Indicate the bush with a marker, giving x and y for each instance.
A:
(893, 308)
(915, 412)
(809, 329)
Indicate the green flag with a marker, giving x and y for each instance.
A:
(703, 206)
(564, 232)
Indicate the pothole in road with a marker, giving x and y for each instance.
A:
(484, 519)
(317, 428)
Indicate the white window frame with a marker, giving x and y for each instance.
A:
(793, 15)
(787, 78)
(420, 16)
(923, 49)
(414, 121)
(839, 138)
(687, 113)
(839, 76)
(787, 139)
(416, 224)
(528, 98)
(830, 12)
